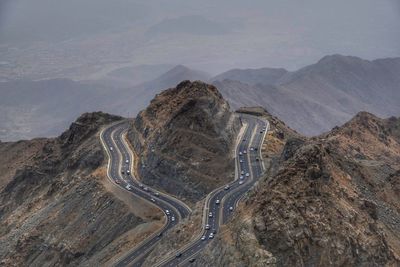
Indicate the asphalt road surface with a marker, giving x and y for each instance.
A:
(222, 203)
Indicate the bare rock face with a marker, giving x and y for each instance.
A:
(184, 139)
(54, 209)
(332, 200)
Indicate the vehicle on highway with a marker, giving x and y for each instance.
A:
(231, 208)
(207, 226)
(153, 200)
(111, 148)
(129, 187)
(192, 260)
(244, 139)
(146, 189)
(173, 218)
(159, 234)
(156, 194)
(203, 238)
(241, 182)
(167, 212)
(210, 214)
(127, 161)
(214, 231)
(118, 181)
(247, 174)
(241, 161)
(251, 148)
(226, 187)
(178, 255)
(257, 159)
(128, 171)
(141, 185)
(211, 236)
(255, 149)
(122, 172)
(242, 172)
(244, 152)
(241, 177)
(240, 153)
(217, 201)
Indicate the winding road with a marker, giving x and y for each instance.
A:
(220, 203)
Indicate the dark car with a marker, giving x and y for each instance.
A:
(192, 260)
(178, 255)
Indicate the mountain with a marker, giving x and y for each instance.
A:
(57, 207)
(331, 200)
(44, 108)
(252, 76)
(320, 96)
(184, 139)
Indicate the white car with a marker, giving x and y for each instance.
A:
(167, 212)
(129, 187)
(173, 218)
(247, 174)
(111, 148)
(241, 161)
(230, 208)
(226, 187)
(156, 194)
(141, 185)
(251, 148)
(244, 152)
(207, 226)
(241, 177)
(127, 161)
(211, 236)
(203, 238)
(240, 182)
(217, 201)
(242, 172)
(153, 200)
(128, 171)
(145, 189)
(240, 153)
(210, 214)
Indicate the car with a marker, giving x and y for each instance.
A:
(111, 148)
(240, 182)
(242, 172)
(153, 200)
(261, 131)
(244, 140)
(240, 153)
(127, 161)
(241, 161)
(211, 236)
(141, 185)
(217, 201)
(203, 238)
(122, 172)
(129, 187)
(159, 234)
(192, 260)
(128, 171)
(167, 212)
(173, 218)
(231, 208)
(244, 152)
(118, 181)
(241, 177)
(178, 255)
(207, 226)
(255, 149)
(257, 159)
(210, 214)
(146, 189)
(214, 231)
(251, 148)
(226, 187)
(156, 194)
(247, 174)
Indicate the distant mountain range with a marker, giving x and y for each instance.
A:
(311, 100)
(320, 96)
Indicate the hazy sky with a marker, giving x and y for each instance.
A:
(59, 37)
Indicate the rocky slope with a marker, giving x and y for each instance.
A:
(319, 96)
(331, 200)
(57, 207)
(184, 139)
